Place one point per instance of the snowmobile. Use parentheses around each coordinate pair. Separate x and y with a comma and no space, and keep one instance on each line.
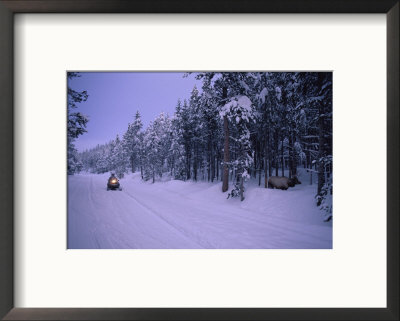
(113,184)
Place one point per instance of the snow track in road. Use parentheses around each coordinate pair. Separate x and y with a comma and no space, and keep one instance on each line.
(179,214)
(170,223)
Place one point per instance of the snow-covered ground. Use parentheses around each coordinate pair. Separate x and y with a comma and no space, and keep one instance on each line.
(176,215)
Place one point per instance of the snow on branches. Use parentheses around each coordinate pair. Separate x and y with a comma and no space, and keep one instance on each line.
(76,124)
(238,109)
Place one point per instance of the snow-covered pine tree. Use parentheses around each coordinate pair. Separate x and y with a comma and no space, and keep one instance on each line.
(131,142)
(211,130)
(119,159)
(226,85)
(186,136)
(239,111)
(150,146)
(265,100)
(76,124)
(75,165)
(157,145)
(323,100)
(176,157)
(290,106)
(194,122)
(101,164)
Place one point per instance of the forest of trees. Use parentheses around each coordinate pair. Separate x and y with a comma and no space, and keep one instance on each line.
(240,125)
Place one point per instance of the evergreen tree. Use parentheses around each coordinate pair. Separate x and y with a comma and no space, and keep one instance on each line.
(157,143)
(239,111)
(132,141)
(119,161)
(176,160)
(227,85)
(211,130)
(76,124)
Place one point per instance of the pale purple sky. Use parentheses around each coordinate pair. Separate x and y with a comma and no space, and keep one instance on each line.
(114,98)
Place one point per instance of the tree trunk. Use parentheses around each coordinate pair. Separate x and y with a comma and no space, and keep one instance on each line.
(209,168)
(225,181)
(259,163)
(294,159)
(212,161)
(321,142)
(290,155)
(276,153)
(172,166)
(217,165)
(132,165)
(266,167)
(209,157)
(241,188)
(269,165)
(195,163)
(187,163)
(283,159)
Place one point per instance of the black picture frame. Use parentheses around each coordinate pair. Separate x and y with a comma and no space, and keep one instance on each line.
(7,11)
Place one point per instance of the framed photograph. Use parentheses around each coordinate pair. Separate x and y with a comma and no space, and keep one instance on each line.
(187,160)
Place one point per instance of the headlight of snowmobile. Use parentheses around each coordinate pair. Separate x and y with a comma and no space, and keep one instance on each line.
(113,181)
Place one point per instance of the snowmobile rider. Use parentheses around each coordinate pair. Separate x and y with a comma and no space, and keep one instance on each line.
(113,183)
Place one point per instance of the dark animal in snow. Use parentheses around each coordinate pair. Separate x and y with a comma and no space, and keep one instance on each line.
(281,182)
(295,180)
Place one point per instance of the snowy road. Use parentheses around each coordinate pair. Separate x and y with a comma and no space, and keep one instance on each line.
(177,214)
